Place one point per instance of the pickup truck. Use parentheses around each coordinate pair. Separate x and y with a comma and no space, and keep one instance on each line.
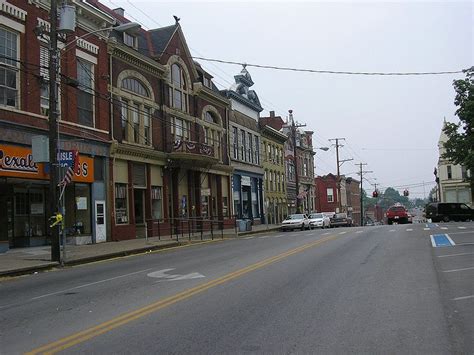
(397,214)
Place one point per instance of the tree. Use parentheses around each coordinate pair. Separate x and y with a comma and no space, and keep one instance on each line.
(460,144)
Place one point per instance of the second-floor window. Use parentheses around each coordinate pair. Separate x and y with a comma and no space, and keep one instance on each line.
(235,143)
(450,173)
(8,68)
(136,115)
(85,93)
(330,194)
(256,151)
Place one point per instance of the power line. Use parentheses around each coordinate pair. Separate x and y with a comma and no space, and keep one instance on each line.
(337,72)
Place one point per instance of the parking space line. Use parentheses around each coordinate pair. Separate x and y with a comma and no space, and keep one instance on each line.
(459,254)
(326,233)
(463,298)
(461,227)
(248,238)
(342,232)
(426,229)
(392,230)
(444,228)
(409,230)
(359,231)
(463,269)
(265,236)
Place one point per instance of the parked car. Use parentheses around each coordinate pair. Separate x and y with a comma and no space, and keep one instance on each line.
(449,211)
(397,214)
(295,221)
(319,220)
(341,220)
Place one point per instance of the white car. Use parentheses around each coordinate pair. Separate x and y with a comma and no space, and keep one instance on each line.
(295,221)
(319,220)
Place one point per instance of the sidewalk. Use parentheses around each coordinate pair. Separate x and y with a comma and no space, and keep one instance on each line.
(29,260)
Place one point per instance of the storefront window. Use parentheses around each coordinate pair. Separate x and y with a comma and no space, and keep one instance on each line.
(29,217)
(121,210)
(156,202)
(83,209)
(255,213)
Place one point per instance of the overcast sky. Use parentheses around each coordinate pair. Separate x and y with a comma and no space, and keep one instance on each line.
(390,123)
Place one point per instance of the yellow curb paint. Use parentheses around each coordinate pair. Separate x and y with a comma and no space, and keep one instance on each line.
(123,319)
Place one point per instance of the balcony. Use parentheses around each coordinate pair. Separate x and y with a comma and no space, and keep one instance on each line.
(193,152)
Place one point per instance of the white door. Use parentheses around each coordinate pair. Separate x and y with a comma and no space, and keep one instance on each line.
(100,232)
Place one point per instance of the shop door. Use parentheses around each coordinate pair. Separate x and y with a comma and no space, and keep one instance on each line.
(100,231)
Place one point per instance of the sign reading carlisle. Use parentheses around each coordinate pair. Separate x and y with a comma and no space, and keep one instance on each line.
(18,162)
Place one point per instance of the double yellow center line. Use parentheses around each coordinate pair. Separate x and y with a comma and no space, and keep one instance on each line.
(125,318)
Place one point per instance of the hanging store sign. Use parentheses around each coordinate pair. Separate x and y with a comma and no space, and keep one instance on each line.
(245,180)
(18,162)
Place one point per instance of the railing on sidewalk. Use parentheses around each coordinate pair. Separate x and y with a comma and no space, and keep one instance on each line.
(189,227)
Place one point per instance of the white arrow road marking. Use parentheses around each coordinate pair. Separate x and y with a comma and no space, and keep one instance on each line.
(162,274)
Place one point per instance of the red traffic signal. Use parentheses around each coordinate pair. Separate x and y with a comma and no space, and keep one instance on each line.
(375,194)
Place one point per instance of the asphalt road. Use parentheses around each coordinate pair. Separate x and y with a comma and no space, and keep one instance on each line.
(382,289)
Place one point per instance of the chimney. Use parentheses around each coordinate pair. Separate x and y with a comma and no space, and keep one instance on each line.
(272,113)
(119,11)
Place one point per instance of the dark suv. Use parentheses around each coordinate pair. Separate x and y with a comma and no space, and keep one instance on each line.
(397,213)
(449,211)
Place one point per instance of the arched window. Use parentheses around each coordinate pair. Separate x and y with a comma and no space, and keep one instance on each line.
(178,88)
(136,116)
(135,86)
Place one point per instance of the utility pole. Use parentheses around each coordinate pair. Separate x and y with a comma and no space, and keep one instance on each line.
(53,130)
(294,126)
(361,173)
(339,164)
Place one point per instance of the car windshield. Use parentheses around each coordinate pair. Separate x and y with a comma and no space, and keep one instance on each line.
(397,209)
(316,215)
(295,216)
(339,215)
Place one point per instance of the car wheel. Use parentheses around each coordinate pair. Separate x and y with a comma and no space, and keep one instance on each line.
(445,219)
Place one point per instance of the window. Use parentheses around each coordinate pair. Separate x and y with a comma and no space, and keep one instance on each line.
(249,148)
(146,125)
(177,90)
(464,173)
(180,128)
(124,120)
(242,144)
(271,180)
(44,77)
(330,194)
(85,96)
(305,167)
(8,68)
(130,40)
(136,116)
(256,151)
(235,140)
(136,123)
(269,153)
(450,173)
(207,82)
(135,86)
(121,206)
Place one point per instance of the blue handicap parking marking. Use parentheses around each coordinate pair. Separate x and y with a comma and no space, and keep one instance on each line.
(441,240)
(431,225)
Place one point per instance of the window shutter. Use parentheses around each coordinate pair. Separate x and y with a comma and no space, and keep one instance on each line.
(139,175)
(44,62)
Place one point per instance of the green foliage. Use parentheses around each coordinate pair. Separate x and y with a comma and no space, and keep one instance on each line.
(460,144)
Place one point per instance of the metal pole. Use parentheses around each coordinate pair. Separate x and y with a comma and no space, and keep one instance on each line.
(53,130)
(361,199)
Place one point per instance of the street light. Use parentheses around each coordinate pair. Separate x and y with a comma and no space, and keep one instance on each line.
(323,148)
(53,114)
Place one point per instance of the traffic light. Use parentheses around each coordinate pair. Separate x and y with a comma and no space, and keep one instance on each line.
(406,193)
(375,194)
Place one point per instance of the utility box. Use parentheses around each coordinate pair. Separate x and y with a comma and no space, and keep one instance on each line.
(40,148)
(67,19)
(248,226)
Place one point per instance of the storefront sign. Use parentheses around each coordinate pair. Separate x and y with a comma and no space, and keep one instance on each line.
(206,192)
(18,162)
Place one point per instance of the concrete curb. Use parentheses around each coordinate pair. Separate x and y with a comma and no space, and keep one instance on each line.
(28,270)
